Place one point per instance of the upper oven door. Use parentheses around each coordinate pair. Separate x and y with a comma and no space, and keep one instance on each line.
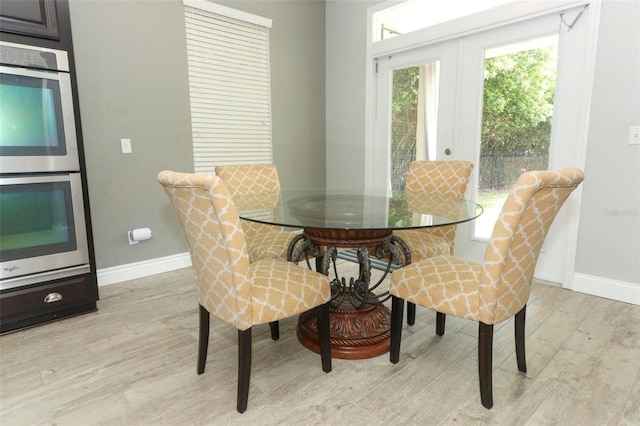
(37,125)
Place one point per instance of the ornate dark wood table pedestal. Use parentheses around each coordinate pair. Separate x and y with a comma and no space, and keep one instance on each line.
(360,324)
(355,333)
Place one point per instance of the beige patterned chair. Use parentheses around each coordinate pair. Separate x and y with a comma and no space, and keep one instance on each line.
(443,177)
(259,185)
(229,286)
(263,241)
(497,289)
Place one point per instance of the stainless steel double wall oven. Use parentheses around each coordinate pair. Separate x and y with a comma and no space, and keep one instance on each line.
(43,232)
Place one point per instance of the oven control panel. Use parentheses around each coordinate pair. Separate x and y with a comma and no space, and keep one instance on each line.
(33,57)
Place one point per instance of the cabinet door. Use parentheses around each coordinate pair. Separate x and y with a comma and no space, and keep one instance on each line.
(38,18)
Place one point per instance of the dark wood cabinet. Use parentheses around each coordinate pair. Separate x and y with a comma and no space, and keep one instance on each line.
(37,18)
(46,302)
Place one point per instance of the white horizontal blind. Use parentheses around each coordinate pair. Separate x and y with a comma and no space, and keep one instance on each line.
(228,61)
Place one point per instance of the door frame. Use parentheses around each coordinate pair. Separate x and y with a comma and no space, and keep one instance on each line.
(495,18)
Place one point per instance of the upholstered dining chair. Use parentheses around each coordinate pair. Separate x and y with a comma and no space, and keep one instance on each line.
(497,289)
(442,177)
(230,286)
(263,240)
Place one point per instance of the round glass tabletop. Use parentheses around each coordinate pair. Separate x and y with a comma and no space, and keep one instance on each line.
(355,209)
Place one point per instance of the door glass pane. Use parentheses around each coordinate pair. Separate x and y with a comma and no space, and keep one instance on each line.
(517,113)
(414,116)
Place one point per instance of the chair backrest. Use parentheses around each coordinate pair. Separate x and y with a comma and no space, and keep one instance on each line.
(252,179)
(249,179)
(443,177)
(216,244)
(514,246)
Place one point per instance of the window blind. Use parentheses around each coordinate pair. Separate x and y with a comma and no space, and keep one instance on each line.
(229,85)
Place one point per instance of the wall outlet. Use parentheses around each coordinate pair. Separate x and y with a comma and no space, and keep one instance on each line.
(125,144)
(130,238)
(634,135)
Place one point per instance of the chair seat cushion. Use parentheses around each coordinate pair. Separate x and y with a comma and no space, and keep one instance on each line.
(444,283)
(272,244)
(282,289)
(423,244)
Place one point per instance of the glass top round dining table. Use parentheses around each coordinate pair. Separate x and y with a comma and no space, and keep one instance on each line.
(355,209)
(363,220)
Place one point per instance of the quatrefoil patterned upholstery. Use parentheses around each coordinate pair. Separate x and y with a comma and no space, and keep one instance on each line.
(229,286)
(263,241)
(499,288)
(447,177)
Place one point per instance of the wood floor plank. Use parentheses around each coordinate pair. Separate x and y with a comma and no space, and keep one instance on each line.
(412,374)
(631,414)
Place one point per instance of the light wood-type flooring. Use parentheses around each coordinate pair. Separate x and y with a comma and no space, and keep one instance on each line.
(134,363)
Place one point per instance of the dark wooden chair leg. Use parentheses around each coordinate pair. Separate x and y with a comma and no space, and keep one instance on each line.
(411,313)
(440,321)
(275,330)
(203,339)
(519,332)
(322,312)
(397,308)
(244,368)
(485,363)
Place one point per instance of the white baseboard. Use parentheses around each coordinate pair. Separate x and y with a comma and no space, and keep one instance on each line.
(598,286)
(611,289)
(145,268)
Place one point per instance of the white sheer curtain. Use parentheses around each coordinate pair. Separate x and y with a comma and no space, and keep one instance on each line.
(427,126)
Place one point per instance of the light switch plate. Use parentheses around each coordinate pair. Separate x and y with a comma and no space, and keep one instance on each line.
(126,146)
(634,135)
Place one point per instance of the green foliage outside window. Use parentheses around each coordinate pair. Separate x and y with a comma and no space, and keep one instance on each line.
(517,115)
(518,101)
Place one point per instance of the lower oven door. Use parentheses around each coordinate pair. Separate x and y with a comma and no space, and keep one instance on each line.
(42,229)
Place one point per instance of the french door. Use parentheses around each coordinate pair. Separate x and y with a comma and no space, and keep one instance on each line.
(418,122)
(450,123)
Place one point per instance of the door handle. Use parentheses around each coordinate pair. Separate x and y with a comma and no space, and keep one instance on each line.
(447,151)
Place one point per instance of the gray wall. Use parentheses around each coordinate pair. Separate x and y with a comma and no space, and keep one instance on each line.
(132,82)
(346,84)
(609,246)
(132,76)
(609,241)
